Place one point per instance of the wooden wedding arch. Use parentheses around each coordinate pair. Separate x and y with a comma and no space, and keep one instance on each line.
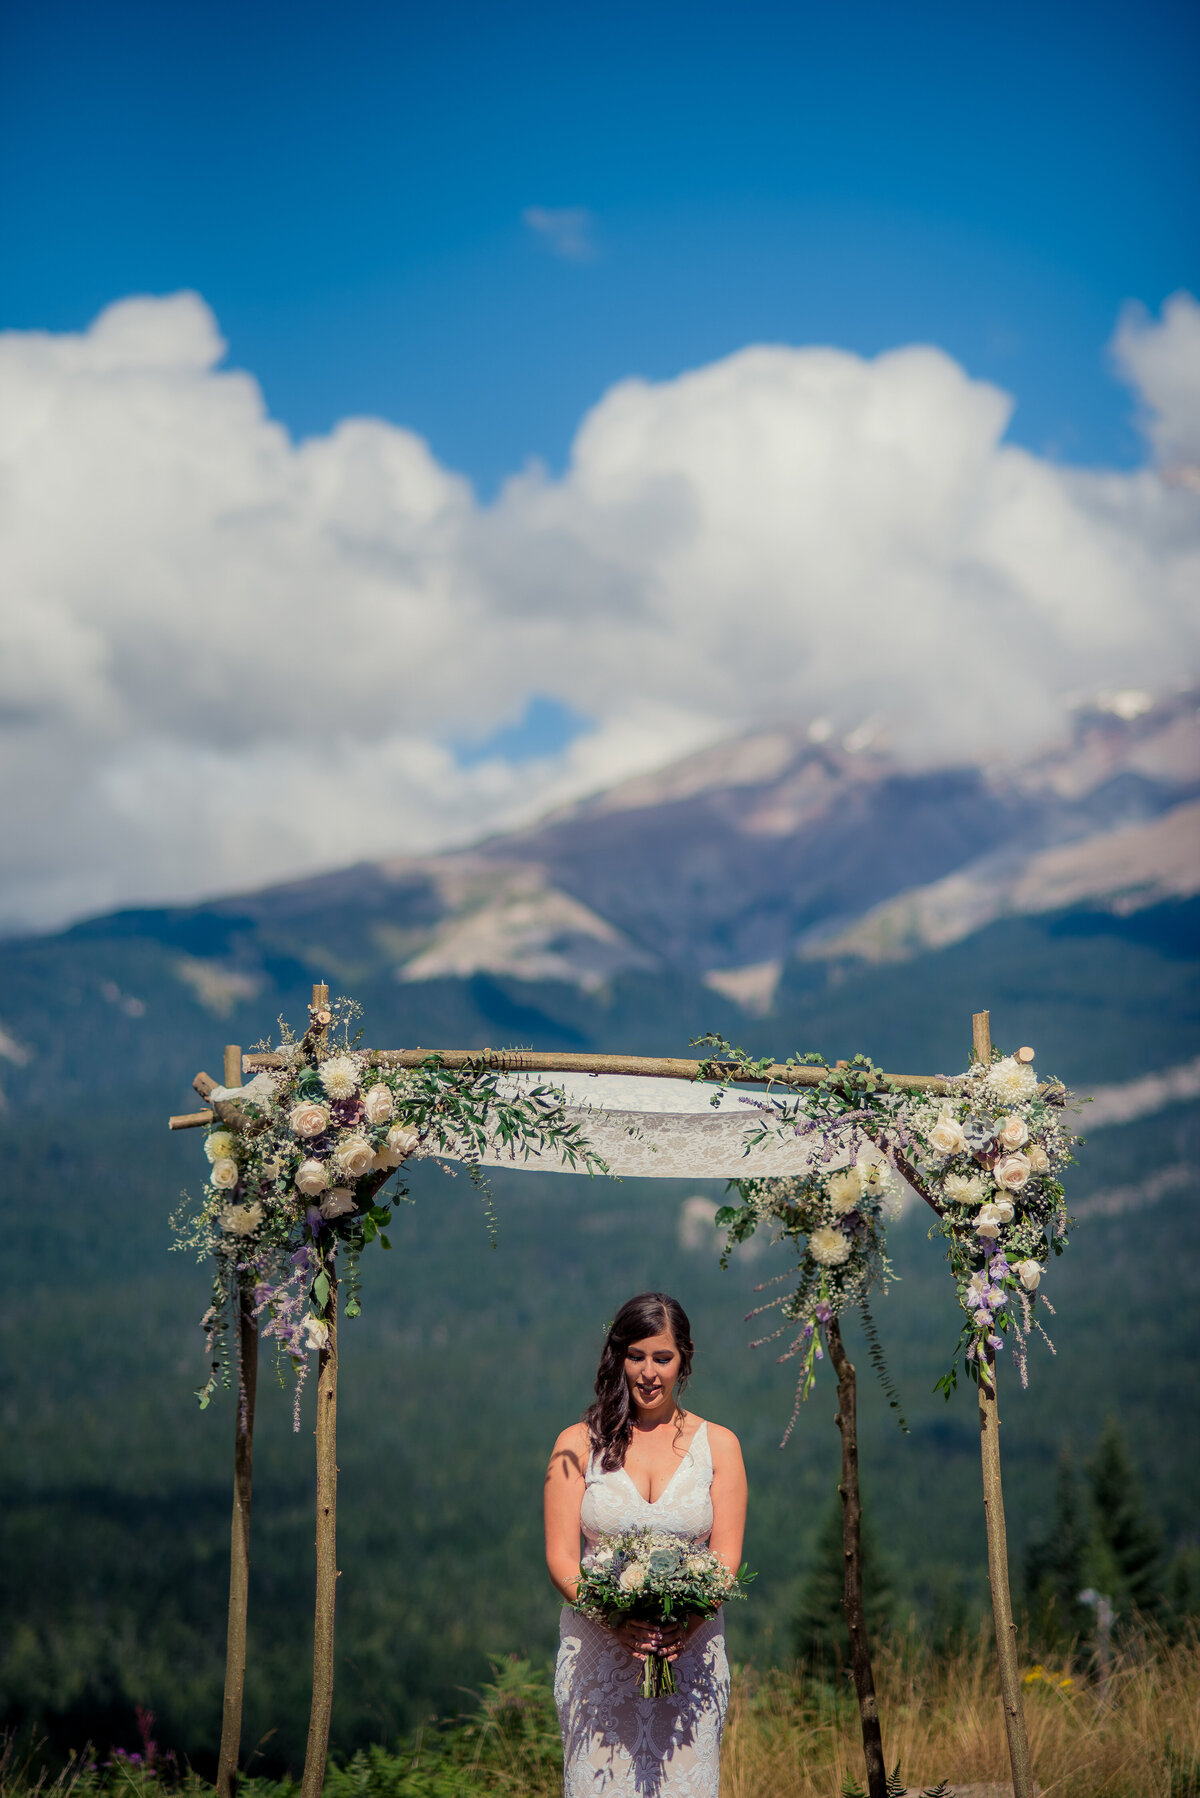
(225,1110)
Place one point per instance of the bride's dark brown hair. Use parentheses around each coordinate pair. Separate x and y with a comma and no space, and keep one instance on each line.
(610,1417)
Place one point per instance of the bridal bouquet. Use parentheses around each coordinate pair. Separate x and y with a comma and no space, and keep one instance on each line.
(651,1576)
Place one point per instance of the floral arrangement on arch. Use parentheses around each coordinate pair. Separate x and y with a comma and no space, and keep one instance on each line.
(986,1153)
(298,1159)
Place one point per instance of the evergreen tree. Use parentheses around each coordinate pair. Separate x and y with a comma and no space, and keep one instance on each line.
(1060,1565)
(1125,1527)
(820,1631)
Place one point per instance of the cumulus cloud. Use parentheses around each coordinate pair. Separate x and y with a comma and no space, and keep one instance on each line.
(1162,361)
(226,656)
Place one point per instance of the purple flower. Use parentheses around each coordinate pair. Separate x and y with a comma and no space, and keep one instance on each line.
(824,1312)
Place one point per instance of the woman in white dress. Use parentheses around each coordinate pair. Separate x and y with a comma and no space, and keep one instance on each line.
(638,1458)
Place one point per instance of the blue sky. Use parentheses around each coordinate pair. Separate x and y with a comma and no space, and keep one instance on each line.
(348,188)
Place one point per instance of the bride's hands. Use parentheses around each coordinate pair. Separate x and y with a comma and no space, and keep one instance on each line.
(674,1637)
(637,1638)
(667,1639)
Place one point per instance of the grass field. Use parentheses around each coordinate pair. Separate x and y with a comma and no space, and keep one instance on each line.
(786,1736)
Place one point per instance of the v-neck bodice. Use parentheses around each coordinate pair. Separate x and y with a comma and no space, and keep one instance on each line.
(612,1502)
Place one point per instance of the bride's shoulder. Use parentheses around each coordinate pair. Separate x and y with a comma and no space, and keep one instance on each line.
(723,1444)
(573,1446)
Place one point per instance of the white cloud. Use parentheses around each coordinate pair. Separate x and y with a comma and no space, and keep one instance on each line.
(566,230)
(1161,359)
(225,656)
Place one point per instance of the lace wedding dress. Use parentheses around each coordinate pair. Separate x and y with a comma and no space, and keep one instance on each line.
(617,1744)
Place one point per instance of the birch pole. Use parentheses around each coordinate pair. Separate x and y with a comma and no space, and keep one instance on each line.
(321,1713)
(854,1605)
(997,1541)
(239,1540)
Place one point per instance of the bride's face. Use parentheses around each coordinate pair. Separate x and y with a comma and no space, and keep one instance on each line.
(652,1368)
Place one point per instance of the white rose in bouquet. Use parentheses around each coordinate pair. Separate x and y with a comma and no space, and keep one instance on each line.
(337,1202)
(339,1076)
(316,1333)
(225,1172)
(312,1177)
(401,1142)
(355,1156)
(1004,1209)
(220,1144)
(829,1247)
(632,1578)
(1039,1161)
(1029,1273)
(1012,1171)
(241,1220)
(307,1119)
(379,1104)
(947,1136)
(988,1221)
(845,1190)
(1012,1133)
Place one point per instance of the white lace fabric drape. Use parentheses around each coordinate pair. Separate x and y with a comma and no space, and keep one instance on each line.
(617,1744)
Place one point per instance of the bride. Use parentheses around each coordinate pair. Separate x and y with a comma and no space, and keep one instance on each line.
(638,1458)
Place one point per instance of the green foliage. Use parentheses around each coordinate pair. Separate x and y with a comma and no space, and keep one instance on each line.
(819,1628)
(1059,1565)
(1125,1527)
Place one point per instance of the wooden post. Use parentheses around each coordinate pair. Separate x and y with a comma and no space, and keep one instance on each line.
(997,1540)
(239,1539)
(856,1622)
(321,1712)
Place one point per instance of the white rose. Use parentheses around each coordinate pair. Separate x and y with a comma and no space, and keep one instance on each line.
(241,1220)
(1029,1273)
(1005,1209)
(339,1076)
(632,1578)
(402,1141)
(316,1332)
(1039,1161)
(829,1247)
(337,1202)
(307,1119)
(355,1156)
(312,1177)
(1012,1171)
(379,1104)
(1011,1133)
(219,1144)
(225,1172)
(947,1136)
(988,1222)
(1011,1083)
(964,1189)
(845,1190)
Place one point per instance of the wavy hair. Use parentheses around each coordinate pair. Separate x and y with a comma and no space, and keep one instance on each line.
(610,1416)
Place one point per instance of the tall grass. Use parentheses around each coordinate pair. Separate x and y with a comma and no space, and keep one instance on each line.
(787,1736)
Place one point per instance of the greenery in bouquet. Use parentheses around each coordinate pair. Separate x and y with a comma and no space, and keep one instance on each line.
(298,1160)
(653,1576)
